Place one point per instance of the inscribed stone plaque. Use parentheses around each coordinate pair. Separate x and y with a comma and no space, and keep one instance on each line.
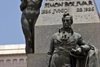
(84,12)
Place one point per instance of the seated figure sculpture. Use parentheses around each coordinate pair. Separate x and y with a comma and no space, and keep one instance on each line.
(68,49)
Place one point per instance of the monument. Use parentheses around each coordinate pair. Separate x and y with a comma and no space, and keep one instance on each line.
(85,18)
(68,48)
(30,11)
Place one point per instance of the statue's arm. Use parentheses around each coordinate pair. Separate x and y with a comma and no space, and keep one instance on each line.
(23,5)
(39,4)
(84,48)
(51,49)
(80,41)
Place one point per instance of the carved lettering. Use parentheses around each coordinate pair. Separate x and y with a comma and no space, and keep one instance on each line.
(59,11)
(73,3)
(90,3)
(87,9)
(45,11)
(78,3)
(48,5)
(79,10)
(84,3)
(69,4)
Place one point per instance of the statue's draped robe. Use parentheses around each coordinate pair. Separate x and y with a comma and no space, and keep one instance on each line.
(91,60)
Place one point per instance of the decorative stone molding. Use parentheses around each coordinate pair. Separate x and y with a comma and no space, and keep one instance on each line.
(13,59)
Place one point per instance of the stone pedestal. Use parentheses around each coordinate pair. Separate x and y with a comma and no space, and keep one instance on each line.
(85,18)
(85,21)
(89,31)
(37,60)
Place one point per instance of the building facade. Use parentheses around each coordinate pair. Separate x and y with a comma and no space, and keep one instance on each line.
(13,56)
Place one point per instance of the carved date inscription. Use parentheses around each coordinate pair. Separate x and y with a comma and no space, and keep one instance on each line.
(60,6)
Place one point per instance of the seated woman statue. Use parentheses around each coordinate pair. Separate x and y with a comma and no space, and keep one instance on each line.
(67,48)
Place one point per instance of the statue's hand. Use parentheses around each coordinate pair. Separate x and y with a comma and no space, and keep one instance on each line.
(78,51)
(73,51)
(85,47)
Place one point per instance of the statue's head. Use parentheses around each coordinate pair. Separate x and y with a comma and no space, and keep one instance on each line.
(67,20)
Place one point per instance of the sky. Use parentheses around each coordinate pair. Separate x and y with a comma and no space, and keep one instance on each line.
(10,24)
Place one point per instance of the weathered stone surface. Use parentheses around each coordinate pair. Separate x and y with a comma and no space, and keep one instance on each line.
(36,60)
(89,31)
(39,60)
(86,22)
(83,11)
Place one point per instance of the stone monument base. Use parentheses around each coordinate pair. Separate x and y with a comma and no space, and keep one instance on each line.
(39,60)
(36,60)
